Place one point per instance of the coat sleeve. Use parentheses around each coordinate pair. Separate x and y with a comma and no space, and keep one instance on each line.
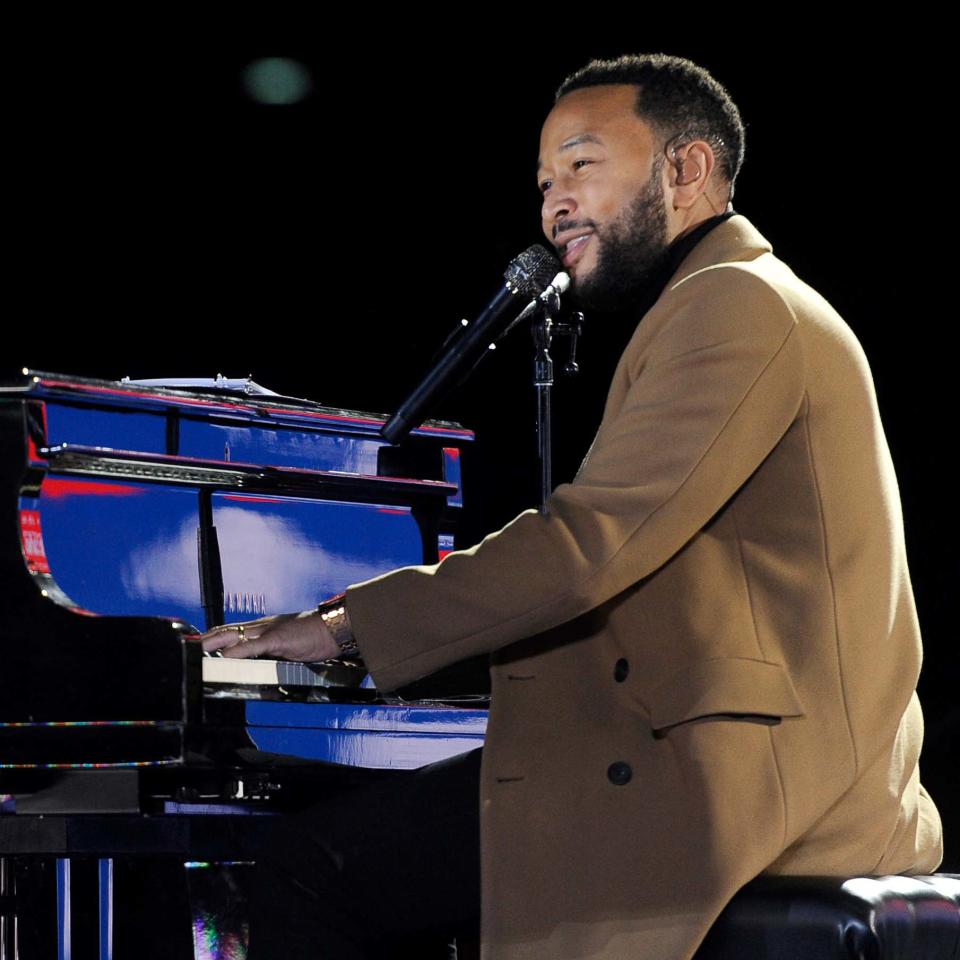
(708,399)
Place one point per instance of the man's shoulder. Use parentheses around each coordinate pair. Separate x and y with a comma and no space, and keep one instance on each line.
(737,288)
(736,260)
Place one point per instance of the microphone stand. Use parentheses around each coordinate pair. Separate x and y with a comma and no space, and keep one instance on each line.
(543,329)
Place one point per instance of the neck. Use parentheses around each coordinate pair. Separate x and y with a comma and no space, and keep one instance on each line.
(700,217)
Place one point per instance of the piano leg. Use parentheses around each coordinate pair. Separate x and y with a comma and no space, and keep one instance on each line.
(106,908)
(28,908)
(102,931)
(47,907)
(8,910)
(64,909)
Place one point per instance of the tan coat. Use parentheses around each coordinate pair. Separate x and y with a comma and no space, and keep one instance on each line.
(721,642)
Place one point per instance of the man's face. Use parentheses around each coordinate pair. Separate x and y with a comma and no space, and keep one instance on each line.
(603,202)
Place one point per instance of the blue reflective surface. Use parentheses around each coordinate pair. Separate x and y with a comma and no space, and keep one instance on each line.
(367,735)
(120,430)
(121,547)
(288,553)
(452,473)
(277,446)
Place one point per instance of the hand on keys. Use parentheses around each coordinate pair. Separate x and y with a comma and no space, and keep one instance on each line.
(288,636)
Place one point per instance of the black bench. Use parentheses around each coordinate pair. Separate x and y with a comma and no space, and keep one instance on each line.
(837,918)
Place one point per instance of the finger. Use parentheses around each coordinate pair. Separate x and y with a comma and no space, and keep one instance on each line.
(217,640)
(252,628)
(227,631)
(251,648)
(231,635)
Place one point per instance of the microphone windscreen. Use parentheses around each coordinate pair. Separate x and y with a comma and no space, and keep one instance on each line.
(530,273)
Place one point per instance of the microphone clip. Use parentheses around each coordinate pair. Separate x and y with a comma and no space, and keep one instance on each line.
(547,325)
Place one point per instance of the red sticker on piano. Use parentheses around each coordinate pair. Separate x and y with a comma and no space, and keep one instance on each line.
(31,537)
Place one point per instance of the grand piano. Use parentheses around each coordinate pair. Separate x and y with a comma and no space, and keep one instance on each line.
(137,514)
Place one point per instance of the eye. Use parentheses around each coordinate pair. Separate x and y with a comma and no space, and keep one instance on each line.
(578,164)
(544,185)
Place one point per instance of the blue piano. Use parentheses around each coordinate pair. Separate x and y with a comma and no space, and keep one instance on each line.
(140,513)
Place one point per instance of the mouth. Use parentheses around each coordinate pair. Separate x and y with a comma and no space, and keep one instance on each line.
(572,250)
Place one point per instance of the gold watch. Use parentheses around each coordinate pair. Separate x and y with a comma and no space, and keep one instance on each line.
(333,613)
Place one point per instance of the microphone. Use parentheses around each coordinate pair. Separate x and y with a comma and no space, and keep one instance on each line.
(527,277)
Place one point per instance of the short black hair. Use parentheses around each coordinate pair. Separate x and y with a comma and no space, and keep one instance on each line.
(677,98)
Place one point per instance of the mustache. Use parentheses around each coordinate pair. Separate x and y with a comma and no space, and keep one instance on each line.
(572,225)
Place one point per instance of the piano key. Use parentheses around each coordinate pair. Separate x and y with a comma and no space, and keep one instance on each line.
(259,672)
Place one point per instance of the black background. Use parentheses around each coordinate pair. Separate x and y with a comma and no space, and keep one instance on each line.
(173,227)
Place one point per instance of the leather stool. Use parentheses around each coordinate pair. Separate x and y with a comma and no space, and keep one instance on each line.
(839,918)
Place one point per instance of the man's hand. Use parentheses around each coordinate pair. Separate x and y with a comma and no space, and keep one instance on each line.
(290,636)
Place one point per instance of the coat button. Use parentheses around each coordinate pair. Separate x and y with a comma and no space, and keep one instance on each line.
(620,670)
(619,773)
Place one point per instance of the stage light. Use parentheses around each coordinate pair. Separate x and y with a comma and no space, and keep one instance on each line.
(277,81)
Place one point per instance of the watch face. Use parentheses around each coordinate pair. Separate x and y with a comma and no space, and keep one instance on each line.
(334,617)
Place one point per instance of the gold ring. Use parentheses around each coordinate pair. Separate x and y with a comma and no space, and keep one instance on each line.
(240,633)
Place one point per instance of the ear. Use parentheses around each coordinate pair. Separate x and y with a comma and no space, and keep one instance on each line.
(690,168)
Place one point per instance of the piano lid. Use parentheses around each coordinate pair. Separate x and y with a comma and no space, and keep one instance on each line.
(209,398)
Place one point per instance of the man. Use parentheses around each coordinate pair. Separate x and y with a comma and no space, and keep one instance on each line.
(704,657)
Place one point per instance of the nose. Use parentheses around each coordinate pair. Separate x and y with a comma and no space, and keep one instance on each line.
(558,204)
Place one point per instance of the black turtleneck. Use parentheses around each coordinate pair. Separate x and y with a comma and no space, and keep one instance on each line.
(676,254)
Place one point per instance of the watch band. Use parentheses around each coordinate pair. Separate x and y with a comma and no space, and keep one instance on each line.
(333,613)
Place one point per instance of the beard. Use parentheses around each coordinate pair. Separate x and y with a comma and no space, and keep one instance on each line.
(631,249)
